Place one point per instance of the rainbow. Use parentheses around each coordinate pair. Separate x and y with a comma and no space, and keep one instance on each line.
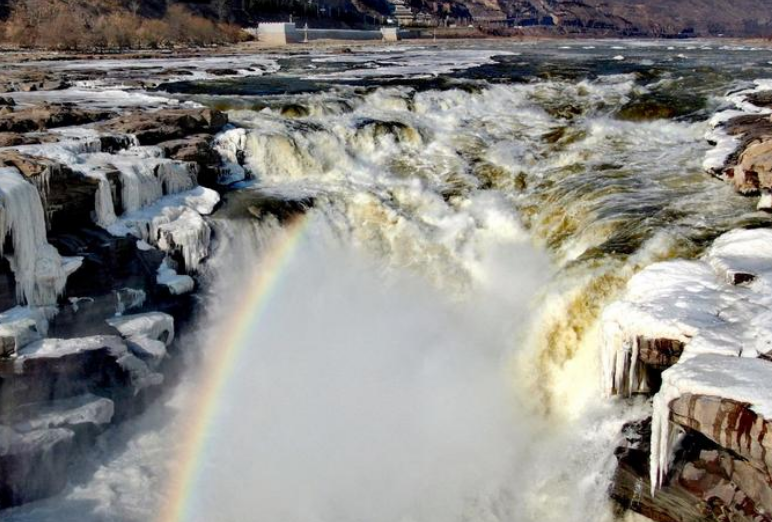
(235,339)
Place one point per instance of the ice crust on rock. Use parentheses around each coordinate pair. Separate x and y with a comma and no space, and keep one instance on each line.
(148,334)
(174,223)
(47,348)
(176,283)
(67,413)
(141,375)
(21,326)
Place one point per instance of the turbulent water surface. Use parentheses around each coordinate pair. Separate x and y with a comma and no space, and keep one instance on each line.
(429,350)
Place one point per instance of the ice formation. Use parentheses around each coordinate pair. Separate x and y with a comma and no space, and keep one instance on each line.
(20,326)
(84,409)
(161,200)
(40,272)
(176,283)
(148,334)
(719,308)
(128,299)
(174,223)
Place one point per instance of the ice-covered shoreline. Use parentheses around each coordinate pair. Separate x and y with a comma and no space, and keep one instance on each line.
(695,335)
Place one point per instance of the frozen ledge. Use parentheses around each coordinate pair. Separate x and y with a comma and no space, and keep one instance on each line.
(717,312)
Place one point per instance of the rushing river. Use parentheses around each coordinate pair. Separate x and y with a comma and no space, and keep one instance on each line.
(427,349)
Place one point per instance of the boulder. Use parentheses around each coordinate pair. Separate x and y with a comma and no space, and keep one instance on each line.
(42,117)
(760,99)
(33,465)
(196,149)
(152,128)
(54,369)
(754,170)
(14,139)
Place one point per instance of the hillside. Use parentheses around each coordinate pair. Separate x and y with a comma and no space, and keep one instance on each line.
(654,18)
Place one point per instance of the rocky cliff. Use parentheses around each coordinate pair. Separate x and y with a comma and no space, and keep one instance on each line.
(657,18)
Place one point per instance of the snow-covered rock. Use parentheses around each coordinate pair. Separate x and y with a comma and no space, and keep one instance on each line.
(717,305)
(67,367)
(71,413)
(148,334)
(20,326)
(720,309)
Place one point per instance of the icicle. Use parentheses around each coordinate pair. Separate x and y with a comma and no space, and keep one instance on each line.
(189,233)
(39,270)
(128,299)
(104,207)
(664,436)
(141,187)
(177,176)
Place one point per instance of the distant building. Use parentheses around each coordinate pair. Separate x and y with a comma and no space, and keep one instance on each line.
(401,12)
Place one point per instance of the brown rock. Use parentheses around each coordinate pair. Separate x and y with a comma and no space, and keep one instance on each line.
(705,483)
(13,139)
(755,165)
(730,424)
(48,116)
(152,128)
(659,353)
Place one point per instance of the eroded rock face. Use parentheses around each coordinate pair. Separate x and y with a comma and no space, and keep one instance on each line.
(706,482)
(168,124)
(730,424)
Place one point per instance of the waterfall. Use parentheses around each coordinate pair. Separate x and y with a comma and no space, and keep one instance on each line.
(432,351)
